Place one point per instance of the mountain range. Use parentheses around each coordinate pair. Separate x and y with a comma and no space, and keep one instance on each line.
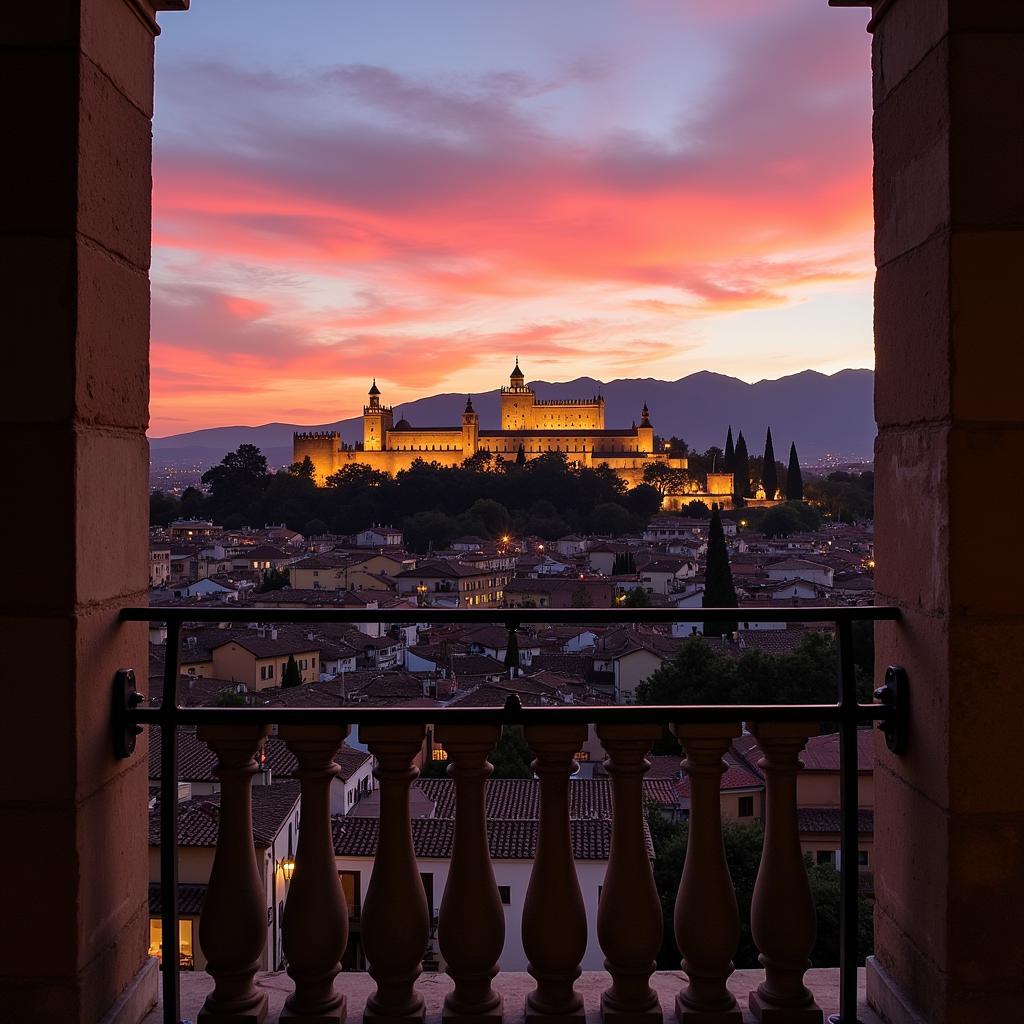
(825,414)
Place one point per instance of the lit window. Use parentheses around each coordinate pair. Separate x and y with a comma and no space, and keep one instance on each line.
(439,754)
(185,952)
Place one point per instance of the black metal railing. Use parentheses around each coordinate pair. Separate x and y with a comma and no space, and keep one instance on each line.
(130,715)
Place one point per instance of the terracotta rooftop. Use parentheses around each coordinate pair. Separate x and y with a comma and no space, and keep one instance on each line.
(198,819)
(827,819)
(507,840)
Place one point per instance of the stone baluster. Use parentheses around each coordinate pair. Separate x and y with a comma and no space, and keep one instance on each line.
(471,923)
(782,917)
(233,924)
(395,917)
(554,916)
(315,914)
(629,924)
(706,920)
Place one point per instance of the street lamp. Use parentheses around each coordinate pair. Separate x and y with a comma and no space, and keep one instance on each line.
(421,593)
(288,866)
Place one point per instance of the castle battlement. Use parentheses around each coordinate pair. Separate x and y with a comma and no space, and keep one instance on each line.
(367,409)
(596,400)
(318,435)
(516,391)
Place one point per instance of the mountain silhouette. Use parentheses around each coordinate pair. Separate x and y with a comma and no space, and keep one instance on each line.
(823,413)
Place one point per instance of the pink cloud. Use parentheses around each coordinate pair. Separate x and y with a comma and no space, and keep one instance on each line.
(430,200)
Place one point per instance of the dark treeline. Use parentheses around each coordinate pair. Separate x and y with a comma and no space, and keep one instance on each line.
(432,504)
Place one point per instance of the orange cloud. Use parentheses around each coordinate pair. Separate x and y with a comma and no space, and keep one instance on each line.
(430,229)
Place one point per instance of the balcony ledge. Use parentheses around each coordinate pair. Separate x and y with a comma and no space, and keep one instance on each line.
(513,987)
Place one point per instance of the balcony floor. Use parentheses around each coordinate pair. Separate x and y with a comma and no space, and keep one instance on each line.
(823,982)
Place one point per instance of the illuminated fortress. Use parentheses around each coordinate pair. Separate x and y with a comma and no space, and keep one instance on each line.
(573,426)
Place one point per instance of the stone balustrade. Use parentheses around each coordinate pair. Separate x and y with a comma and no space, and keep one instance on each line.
(395,919)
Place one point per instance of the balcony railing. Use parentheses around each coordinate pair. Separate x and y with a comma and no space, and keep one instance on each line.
(395,918)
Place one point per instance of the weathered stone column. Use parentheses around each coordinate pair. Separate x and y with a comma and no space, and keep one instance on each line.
(471,922)
(395,918)
(707,919)
(233,925)
(315,915)
(629,925)
(783,922)
(949,319)
(554,917)
(77,81)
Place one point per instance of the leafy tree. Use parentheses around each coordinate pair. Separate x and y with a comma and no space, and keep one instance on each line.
(229,699)
(428,530)
(239,478)
(512,757)
(769,474)
(643,501)
(547,496)
(741,471)
(845,497)
(780,521)
(729,458)
(698,674)
(273,579)
(314,528)
(610,518)
(696,510)
(479,462)
(291,675)
(637,598)
(356,475)
(193,503)
(494,516)
(743,846)
(719,591)
(235,521)
(660,476)
(677,447)
(624,564)
(163,508)
(304,469)
(794,478)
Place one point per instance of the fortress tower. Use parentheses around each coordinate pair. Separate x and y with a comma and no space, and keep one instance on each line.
(516,401)
(645,432)
(377,420)
(470,429)
(522,410)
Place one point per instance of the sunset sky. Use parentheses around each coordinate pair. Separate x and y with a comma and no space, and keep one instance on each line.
(422,189)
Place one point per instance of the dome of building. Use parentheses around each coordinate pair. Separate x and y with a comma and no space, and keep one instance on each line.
(402,424)
(517,373)
(374,390)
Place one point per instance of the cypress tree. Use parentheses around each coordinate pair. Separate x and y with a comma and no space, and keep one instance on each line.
(521,456)
(729,460)
(794,478)
(741,470)
(291,676)
(512,652)
(719,591)
(624,564)
(769,472)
